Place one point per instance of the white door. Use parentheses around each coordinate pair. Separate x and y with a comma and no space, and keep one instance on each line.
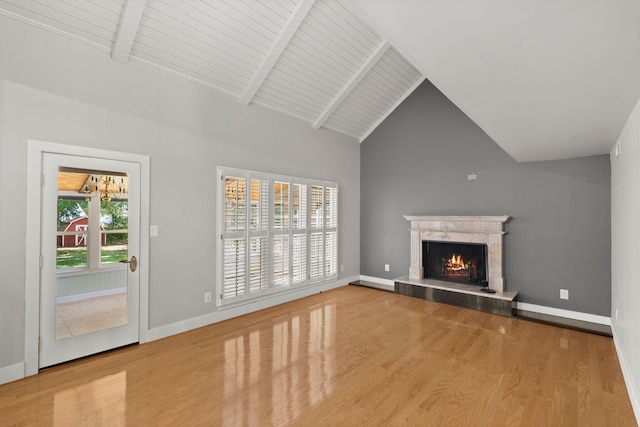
(89,283)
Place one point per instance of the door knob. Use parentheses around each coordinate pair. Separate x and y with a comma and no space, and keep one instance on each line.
(133,263)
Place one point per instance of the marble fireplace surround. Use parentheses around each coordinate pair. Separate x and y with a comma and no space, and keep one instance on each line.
(460,229)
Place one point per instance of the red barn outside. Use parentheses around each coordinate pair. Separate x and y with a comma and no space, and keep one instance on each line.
(74,241)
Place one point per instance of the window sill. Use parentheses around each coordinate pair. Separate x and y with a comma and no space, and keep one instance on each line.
(273,294)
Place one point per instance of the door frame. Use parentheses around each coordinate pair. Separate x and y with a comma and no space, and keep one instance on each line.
(35,150)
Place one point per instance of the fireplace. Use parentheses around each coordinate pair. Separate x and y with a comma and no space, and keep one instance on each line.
(453,259)
(479,233)
(455,262)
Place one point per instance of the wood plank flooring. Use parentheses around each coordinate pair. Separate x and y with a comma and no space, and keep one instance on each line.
(351,356)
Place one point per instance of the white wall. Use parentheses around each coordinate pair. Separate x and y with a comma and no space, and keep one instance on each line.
(625,253)
(58,90)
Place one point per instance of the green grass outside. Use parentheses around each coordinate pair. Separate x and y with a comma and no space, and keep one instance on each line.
(77,257)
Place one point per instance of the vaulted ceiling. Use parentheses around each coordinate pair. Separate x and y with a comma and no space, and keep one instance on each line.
(544,79)
(314,60)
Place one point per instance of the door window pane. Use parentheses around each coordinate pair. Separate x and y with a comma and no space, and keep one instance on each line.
(92,230)
(90,302)
(72,239)
(113,248)
(114,224)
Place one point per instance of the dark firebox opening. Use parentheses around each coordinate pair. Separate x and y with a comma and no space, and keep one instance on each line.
(455,262)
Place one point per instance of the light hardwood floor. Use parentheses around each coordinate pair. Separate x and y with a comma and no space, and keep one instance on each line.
(351,356)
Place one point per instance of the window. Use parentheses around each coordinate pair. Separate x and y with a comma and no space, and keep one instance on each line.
(291,239)
(92,232)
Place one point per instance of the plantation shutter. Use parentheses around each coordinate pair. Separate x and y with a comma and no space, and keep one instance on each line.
(331,232)
(299,234)
(259,234)
(234,266)
(234,237)
(275,232)
(316,246)
(281,230)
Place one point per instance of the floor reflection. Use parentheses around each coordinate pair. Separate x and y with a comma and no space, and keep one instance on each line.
(298,363)
(99,402)
(349,356)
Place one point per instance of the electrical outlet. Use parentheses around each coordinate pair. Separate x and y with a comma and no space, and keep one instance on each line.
(386,267)
(616,314)
(564,294)
(207,297)
(341,268)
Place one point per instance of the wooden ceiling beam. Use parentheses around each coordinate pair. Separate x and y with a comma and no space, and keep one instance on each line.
(127,30)
(366,66)
(289,29)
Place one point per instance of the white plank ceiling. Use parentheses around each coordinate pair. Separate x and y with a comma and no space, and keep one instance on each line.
(314,60)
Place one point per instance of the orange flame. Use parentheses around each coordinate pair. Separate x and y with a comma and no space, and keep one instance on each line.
(456,263)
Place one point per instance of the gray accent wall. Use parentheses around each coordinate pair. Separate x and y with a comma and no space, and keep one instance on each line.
(418,161)
(57,90)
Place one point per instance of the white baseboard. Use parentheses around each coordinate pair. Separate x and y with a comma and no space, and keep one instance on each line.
(70,298)
(575,315)
(228,313)
(12,373)
(632,389)
(377,282)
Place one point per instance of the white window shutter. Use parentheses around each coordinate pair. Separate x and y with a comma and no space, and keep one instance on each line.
(258,265)
(275,232)
(234,268)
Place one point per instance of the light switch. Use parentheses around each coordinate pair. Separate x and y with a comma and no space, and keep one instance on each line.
(153,231)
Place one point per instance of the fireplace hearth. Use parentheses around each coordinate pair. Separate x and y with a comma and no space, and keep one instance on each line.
(455,259)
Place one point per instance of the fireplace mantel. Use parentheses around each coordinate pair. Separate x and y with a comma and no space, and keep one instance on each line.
(463,229)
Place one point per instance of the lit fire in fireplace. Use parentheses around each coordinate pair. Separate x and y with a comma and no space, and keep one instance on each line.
(456,263)
(456,267)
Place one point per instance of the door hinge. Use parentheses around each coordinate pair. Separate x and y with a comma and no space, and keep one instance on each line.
(221,238)
(221,177)
(39,343)
(221,296)
(41,261)
(41,180)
